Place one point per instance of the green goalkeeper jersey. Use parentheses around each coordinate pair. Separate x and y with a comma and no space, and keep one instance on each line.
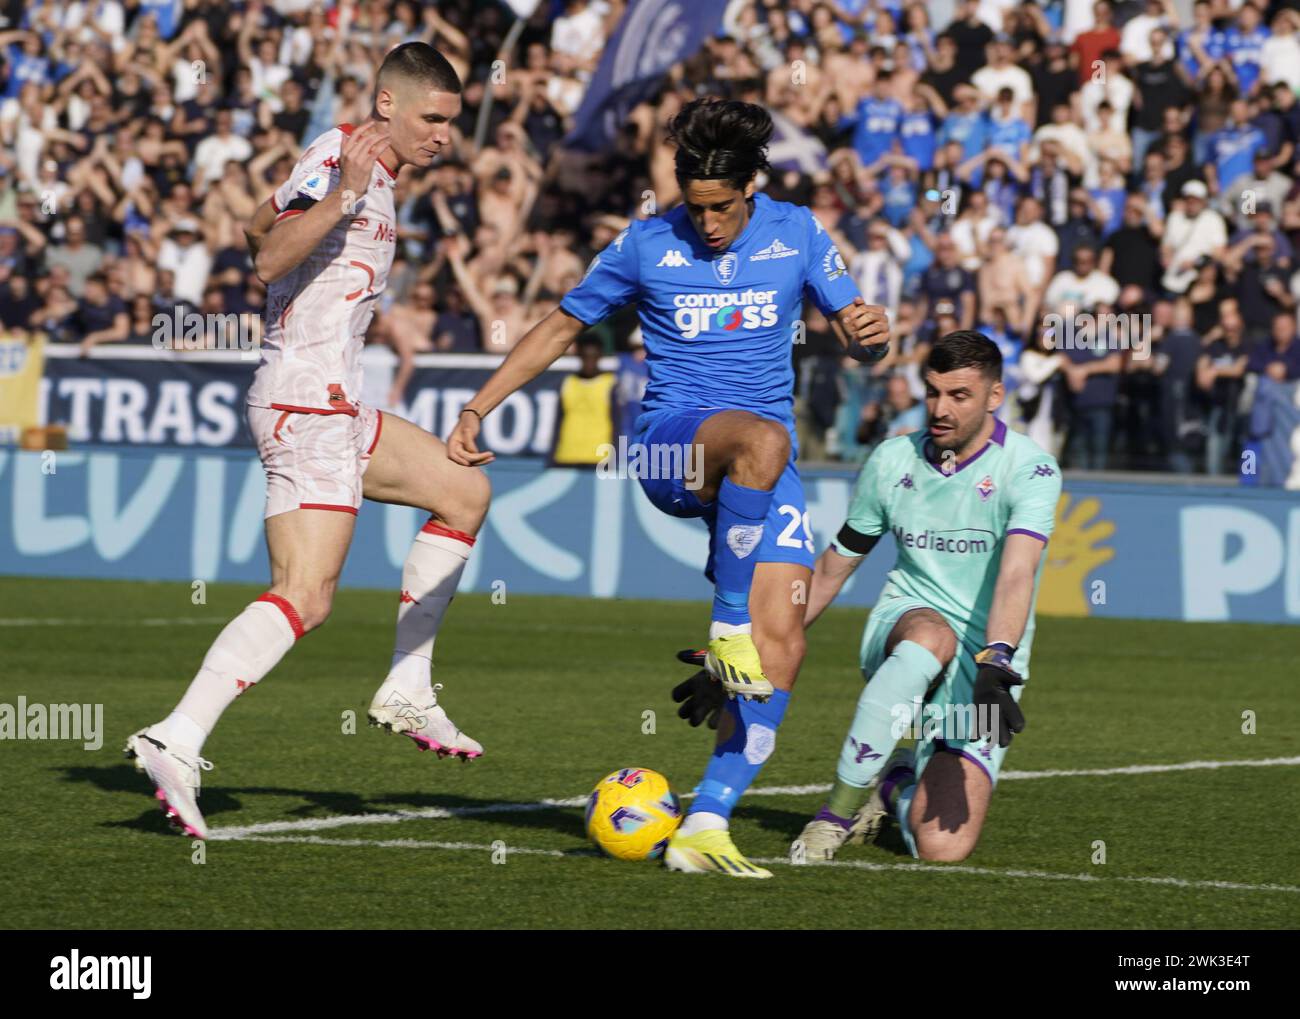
(950,526)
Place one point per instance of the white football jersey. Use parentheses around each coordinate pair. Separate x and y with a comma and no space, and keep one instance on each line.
(316,316)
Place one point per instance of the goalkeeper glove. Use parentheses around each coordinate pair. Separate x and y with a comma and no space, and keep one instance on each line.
(701,697)
(996,712)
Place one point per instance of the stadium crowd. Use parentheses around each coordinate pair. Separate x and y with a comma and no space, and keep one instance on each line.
(1021,168)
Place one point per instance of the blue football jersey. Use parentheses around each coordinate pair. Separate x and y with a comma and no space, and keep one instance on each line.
(718,326)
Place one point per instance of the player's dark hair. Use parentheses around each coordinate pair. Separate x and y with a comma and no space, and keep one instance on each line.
(420,63)
(720,139)
(965,348)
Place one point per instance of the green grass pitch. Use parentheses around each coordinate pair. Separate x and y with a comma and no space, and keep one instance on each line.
(557,690)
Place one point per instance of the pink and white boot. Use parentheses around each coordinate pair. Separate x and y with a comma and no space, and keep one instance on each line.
(423,720)
(175,774)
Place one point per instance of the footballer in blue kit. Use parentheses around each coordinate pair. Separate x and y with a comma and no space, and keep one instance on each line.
(719,283)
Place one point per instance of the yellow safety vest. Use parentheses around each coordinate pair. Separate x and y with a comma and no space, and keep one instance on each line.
(585,419)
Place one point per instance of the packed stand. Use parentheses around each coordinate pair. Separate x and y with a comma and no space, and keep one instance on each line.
(1052,175)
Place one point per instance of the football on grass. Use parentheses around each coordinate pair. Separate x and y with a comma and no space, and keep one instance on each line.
(631,813)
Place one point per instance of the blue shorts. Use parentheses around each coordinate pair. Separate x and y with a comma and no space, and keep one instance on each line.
(787,532)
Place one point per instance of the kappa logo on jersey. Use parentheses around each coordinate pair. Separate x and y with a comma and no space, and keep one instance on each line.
(904,482)
(833,264)
(591,268)
(331,163)
(749,309)
(673,259)
(1043,471)
(726,267)
(742,539)
(774,250)
(985,488)
(618,241)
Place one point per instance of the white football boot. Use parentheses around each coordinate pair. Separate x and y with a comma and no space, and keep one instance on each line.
(869,821)
(872,816)
(821,838)
(818,842)
(426,723)
(175,774)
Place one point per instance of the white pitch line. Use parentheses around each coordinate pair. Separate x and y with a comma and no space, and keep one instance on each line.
(393,817)
(1155,769)
(173,621)
(1040,875)
(316,840)
(926,868)
(445,813)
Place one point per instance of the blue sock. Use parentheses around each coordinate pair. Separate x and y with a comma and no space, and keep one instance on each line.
(736,763)
(737,532)
(903,814)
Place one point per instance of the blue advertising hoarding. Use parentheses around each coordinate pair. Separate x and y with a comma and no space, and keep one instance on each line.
(1190,552)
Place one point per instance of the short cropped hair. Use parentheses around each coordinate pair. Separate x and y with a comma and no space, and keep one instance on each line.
(420,64)
(965,348)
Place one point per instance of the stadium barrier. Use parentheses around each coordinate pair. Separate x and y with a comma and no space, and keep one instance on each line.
(1154,551)
(130,396)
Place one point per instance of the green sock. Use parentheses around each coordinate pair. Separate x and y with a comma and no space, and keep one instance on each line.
(846,800)
(886,713)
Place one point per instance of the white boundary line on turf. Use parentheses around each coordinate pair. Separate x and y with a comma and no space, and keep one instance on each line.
(444,813)
(927,868)
(172,621)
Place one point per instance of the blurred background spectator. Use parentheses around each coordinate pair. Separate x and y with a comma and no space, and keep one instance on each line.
(981,163)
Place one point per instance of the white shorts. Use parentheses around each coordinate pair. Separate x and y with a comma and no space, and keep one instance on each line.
(314,461)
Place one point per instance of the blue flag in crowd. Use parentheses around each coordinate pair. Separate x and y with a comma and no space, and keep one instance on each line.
(1275,426)
(651,37)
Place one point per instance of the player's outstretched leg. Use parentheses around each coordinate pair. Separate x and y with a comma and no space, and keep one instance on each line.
(307,548)
(919,647)
(410,467)
(749,453)
(746,732)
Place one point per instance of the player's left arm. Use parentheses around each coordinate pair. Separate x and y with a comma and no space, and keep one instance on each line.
(862,328)
(1014,591)
(259,226)
(1036,488)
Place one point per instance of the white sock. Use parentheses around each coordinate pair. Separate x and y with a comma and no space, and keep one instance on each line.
(246,650)
(703,821)
(718,629)
(430,577)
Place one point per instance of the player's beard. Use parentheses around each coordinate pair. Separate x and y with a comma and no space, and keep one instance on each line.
(958,438)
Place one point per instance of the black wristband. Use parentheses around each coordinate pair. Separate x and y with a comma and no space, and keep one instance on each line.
(472,411)
(868,355)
